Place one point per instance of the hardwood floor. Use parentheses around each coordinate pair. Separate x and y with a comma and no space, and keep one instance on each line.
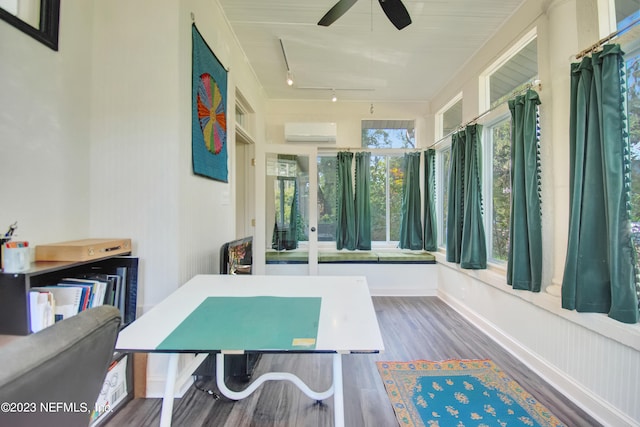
(412,328)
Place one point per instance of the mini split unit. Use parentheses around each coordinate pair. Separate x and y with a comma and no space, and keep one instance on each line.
(310,132)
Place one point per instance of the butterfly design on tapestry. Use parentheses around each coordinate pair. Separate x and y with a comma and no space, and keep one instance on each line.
(211,114)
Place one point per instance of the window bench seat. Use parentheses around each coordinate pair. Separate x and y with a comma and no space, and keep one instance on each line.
(351,257)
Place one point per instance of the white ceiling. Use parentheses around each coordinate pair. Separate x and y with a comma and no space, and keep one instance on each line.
(362,55)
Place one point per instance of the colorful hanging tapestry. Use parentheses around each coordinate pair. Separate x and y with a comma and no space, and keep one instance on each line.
(460,393)
(208,112)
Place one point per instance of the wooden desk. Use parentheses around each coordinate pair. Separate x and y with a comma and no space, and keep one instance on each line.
(190,319)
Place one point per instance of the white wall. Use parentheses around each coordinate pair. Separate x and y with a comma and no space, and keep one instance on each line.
(95,139)
(45,107)
(142,129)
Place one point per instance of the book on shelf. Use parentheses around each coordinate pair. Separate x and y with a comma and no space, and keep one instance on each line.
(41,309)
(67,300)
(71,295)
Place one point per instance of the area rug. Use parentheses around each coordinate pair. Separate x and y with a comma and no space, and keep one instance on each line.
(457,393)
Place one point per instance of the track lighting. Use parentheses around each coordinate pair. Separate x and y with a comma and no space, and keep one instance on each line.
(286,63)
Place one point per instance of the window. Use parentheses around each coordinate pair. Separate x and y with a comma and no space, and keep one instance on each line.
(516,68)
(388,134)
(498,145)
(442,170)
(627,11)
(386,197)
(508,76)
(327,177)
(448,119)
(387,174)
(451,118)
(632,57)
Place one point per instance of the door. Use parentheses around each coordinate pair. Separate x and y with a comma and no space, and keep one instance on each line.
(286,191)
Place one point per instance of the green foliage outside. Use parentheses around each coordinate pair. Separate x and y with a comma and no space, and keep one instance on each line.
(633,107)
(501,190)
(387,176)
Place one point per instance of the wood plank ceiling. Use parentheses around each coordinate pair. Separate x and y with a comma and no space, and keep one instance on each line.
(362,56)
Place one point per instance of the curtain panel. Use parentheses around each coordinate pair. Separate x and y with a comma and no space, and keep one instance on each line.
(600,269)
(524,265)
(473,248)
(430,224)
(362,201)
(410,221)
(466,241)
(345,213)
(455,198)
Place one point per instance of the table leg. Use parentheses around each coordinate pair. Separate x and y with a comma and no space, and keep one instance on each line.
(169,391)
(338,395)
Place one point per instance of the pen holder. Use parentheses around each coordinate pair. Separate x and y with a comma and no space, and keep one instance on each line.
(16,259)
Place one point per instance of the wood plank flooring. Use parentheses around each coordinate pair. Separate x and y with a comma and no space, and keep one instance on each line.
(412,328)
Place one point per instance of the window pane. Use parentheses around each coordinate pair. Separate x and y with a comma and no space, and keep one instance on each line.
(633,105)
(327,176)
(452,118)
(378,197)
(518,71)
(501,189)
(388,134)
(627,11)
(445,158)
(386,197)
(396,177)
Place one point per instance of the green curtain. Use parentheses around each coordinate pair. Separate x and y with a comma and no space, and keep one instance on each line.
(455,198)
(345,213)
(362,201)
(600,266)
(292,232)
(524,265)
(410,221)
(473,247)
(430,224)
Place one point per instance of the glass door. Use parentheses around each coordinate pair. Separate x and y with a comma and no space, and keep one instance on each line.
(286,230)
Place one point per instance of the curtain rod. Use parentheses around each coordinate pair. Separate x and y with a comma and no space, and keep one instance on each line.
(594,47)
(535,84)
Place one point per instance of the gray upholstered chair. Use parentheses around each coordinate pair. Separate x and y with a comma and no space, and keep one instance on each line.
(53,377)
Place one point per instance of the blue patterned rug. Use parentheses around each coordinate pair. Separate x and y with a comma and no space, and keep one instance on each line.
(457,393)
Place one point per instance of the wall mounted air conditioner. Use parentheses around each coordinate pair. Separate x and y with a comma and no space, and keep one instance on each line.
(310,132)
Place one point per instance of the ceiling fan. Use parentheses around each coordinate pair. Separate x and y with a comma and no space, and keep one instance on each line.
(394,9)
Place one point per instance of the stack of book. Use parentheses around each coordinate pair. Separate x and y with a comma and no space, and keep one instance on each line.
(70,296)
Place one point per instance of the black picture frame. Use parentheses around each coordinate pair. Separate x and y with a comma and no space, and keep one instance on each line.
(49,29)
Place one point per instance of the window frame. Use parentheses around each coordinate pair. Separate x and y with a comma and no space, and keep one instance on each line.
(484,80)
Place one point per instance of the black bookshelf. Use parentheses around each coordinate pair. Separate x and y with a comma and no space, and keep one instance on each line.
(14,287)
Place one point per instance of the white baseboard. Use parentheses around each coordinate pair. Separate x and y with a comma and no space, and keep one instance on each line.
(184,380)
(585,399)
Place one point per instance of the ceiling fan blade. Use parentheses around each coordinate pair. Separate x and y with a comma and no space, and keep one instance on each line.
(336,12)
(396,12)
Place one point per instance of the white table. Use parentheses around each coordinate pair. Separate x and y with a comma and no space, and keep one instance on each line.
(346,324)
